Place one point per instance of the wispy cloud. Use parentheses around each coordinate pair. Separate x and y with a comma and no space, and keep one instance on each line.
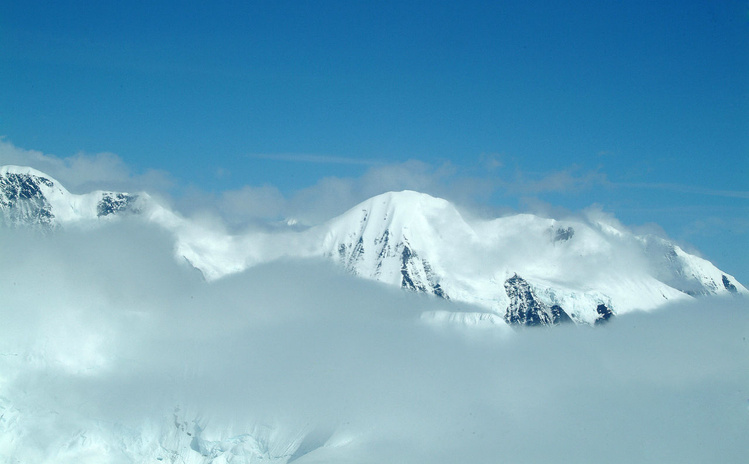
(570,180)
(681,188)
(575,179)
(314,158)
(333,195)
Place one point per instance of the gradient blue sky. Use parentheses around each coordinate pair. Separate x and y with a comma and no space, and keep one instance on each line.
(641,107)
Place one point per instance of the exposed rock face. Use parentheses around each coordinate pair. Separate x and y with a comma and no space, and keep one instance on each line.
(604,314)
(526,309)
(563,234)
(417,274)
(112,203)
(30,199)
(560,316)
(728,285)
(22,202)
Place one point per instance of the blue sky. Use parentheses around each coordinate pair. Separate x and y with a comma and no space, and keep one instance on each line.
(641,107)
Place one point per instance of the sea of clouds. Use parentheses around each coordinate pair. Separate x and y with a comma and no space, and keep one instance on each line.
(111,350)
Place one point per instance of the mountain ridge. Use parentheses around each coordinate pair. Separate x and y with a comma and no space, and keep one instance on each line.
(527,269)
(31,197)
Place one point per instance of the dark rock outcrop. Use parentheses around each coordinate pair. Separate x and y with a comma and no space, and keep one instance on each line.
(604,314)
(526,309)
(112,203)
(22,202)
(728,285)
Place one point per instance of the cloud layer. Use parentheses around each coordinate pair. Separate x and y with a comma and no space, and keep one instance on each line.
(111,351)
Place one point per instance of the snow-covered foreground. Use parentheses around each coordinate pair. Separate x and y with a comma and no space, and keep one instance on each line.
(112,352)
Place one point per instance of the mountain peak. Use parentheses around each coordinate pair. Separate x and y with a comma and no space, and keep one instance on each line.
(396,237)
(416,214)
(405,205)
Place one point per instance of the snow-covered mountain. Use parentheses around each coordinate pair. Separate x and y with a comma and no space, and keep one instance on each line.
(529,269)
(526,269)
(31,198)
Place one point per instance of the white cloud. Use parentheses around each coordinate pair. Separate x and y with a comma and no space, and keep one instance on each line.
(596,215)
(82,172)
(491,161)
(297,349)
(333,195)
(712,226)
(487,188)
(680,188)
(329,196)
(325,199)
(570,180)
(248,203)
